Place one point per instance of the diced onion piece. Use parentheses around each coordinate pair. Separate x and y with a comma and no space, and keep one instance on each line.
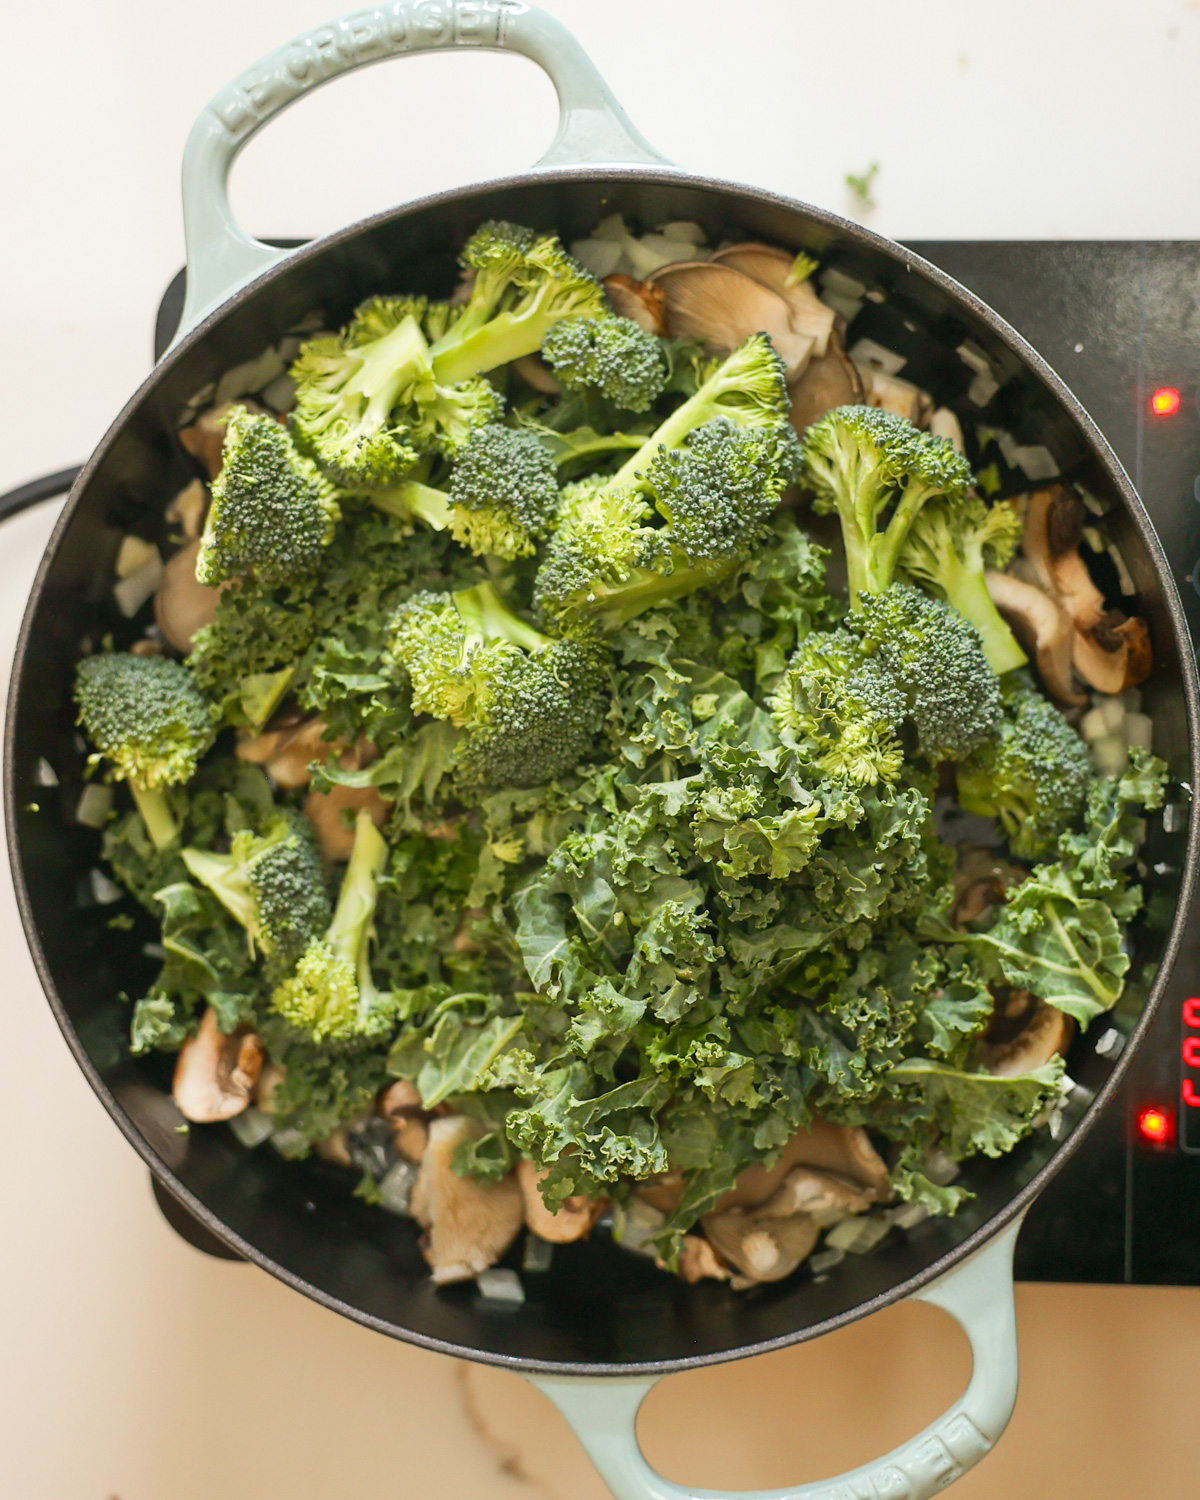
(95,805)
(133,554)
(1139,731)
(1110,755)
(132,592)
(500,1285)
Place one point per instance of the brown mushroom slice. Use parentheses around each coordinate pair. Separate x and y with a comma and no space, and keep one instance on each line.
(410,1138)
(572,1221)
(698,1261)
(1046,1035)
(761,1247)
(1054,522)
(205,438)
(324,810)
(824,1196)
(843,1149)
(641,302)
(827,382)
(215,1074)
(398,1101)
(662,1192)
(1115,655)
(722,308)
(771,267)
(534,371)
(182,605)
(188,508)
(1043,628)
(976,901)
(288,751)
(469,1224)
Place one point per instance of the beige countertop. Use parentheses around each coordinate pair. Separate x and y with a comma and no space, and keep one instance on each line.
(133,1367)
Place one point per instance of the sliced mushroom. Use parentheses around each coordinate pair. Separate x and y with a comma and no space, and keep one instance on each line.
(269,1080)
(698,1261)
(843,1149)
(662,1192)
(335,1148)
(411,1138)
(215,1074)
(181,605)
(1046,1035)
(188,508)
(977,901)
(1115,655)
(571,1221)
(722,308)
(760,1246)
(324,811)
(398,1101)
(641,302)
(289,750)
(1054,521)
(826,1197)
(534,371)
(771,267)
(830,381)
(469,1224)
(205,438)
(1042,626)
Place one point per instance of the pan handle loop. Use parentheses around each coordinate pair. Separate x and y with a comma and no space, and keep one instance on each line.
(593,129)
(978,1294)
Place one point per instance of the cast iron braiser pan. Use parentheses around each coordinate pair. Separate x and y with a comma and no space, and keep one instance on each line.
(598,1310)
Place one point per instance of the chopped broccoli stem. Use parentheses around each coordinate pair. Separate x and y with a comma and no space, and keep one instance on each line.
(414,499)
(156,814)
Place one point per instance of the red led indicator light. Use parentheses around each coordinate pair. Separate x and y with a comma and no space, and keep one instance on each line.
(1154,1125)
(1165,401)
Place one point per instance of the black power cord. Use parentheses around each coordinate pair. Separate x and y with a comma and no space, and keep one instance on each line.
(37,490)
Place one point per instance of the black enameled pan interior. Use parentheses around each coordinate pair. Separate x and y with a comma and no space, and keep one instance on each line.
(598,1309)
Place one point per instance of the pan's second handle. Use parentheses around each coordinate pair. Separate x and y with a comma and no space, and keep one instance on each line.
(593,128)
(978,1294)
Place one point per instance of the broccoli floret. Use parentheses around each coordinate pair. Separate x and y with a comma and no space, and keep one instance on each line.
(273,512)
(445,417)
(1034,778)
(503,492)
(331,993)
(719,490)
(608,561)
(145,716)
(532,705)
(861,462)
(839,716)
(347,388)
(933,657)
(902,658)
(948,550)
(273,884)
(524,284)
(622,361)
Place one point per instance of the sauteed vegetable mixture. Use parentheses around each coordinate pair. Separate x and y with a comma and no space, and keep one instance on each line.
(601,761)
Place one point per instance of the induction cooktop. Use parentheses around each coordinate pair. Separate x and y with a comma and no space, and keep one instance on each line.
(1120,322)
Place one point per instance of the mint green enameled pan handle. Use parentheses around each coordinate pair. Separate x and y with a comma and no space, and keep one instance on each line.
(593,129)
(978,1295)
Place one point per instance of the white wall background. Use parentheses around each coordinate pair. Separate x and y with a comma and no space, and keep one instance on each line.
(130,1366)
